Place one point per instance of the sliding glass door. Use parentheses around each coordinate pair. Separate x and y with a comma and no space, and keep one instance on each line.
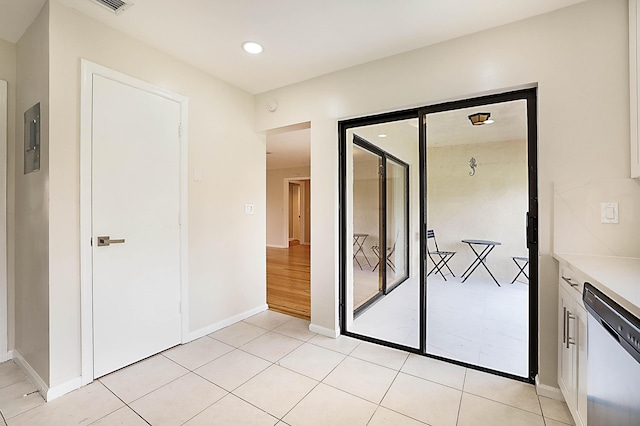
(368,282)
(439,250)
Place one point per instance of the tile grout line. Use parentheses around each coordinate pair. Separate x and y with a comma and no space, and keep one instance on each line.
(125,405)
(388,389)
(462,392)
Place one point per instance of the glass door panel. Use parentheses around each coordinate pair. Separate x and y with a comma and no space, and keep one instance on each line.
(367,225)
(382,291)
(476,201)
(397,176)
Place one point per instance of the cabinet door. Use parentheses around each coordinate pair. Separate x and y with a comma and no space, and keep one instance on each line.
(581,344)
(567,366)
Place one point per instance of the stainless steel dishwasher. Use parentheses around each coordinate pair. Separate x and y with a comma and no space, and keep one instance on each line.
(613,362)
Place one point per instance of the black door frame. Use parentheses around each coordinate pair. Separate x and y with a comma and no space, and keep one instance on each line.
(530,96)
(384,156)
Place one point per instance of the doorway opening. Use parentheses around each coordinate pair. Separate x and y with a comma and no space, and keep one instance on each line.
(289,220)
(299,212)
(470,295)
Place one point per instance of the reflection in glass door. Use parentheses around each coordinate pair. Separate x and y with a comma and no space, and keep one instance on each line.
(367,226)
(397,177)
(381,295)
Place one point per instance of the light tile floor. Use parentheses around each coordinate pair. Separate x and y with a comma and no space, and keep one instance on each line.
(270,370)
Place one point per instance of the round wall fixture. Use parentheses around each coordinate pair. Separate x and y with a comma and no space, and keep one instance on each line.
(272,105)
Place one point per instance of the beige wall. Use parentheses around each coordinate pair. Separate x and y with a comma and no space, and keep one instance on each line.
(31,206)
(577,56)
(226,247)
(276,218)
(8,74)
(491,205)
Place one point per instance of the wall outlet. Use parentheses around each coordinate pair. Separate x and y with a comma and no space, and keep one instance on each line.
(609,213)
(248,209)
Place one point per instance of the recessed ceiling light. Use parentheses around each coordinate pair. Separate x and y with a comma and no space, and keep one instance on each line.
(252,47)
(382,135)
(489,121)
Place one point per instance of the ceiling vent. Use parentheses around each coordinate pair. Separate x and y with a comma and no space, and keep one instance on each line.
(116,6)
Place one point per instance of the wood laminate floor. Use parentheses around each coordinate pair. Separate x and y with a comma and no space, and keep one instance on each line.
(288,280)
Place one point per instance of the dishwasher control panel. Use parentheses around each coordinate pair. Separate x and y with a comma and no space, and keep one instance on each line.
(620,323)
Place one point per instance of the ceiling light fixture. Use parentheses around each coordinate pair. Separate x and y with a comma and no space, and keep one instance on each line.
(480,118)
(382,135)
(252,47)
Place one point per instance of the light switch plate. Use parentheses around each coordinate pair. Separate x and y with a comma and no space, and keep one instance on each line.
(248,209)
(609,213)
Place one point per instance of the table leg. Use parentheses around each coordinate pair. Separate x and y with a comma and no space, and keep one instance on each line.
(481,260)
(476,262)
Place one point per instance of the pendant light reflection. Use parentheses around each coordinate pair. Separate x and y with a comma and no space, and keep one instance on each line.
(480,118)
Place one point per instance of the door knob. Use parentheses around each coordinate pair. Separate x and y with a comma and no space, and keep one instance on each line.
(106,241)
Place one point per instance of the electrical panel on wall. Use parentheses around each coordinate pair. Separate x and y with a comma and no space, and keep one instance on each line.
(32,139)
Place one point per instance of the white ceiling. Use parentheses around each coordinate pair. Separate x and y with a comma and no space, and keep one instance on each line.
(302,38)
(289,149)
(16,16)
(454,127)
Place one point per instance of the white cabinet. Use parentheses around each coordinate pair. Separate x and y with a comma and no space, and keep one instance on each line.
(572,345)
(567,356)
(634,83)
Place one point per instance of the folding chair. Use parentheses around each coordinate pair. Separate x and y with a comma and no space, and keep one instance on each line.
(442,257)
(390,251)
(521,263)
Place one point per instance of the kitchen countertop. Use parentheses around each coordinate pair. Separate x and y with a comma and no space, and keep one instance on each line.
(617,277)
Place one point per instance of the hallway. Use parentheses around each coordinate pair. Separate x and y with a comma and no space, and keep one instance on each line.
(288,280)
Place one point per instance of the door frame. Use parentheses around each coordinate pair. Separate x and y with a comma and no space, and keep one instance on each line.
(526,92)
(285,209)
(4,317)
(293,187)
(88,70)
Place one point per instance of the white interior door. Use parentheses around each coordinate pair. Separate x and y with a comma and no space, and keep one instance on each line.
(135,198)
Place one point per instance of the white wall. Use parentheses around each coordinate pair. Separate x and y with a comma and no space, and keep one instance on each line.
(577,56)
(276,214)
(226,247)
(491,205)
(31,202)
(8,74)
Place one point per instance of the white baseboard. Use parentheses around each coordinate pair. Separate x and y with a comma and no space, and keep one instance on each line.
(7,356)
(276,246)
(224,323)
(324,331)
(58,391)
(31,374)
(548,391)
